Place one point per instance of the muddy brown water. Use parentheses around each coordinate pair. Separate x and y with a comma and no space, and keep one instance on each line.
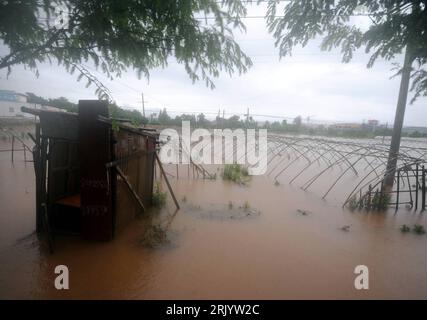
(214,252)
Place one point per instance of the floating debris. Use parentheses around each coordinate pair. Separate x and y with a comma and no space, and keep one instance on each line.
(346,228)
(303,212)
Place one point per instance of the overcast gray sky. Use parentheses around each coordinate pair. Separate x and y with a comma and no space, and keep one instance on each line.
(312,84)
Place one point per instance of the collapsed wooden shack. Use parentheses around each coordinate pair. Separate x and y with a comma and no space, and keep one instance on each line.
(93,174)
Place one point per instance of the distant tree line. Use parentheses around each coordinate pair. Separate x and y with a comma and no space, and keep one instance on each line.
(162,118)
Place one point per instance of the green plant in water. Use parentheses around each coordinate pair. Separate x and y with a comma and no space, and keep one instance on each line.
(159,197)
(353,203)
(377,201)
(235,173)
(230,205)
(418,229)
(246,206)
(405,229)
(380,201)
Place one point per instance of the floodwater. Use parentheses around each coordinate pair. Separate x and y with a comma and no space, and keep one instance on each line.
(285,244)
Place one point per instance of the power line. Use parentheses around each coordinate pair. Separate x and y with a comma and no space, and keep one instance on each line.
(282,16)
(180,112)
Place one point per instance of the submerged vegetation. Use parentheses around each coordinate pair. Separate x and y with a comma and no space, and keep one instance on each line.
(405,229)
(353,203)
(211,177)
(230,205)
(417,229)
(377,201)
(380,201)
(246,206)
(236,173)
(159,197)
(154,236)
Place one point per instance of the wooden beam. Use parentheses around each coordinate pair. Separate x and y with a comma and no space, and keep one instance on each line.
(131,189)
(166,179)
(135,155)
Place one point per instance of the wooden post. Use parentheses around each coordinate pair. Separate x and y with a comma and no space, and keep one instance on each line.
(13,145)
(166,179)
(47,228)
(410,190)
(42,182)
(95,191)
(37,171)
(423,186)
(25,154)
(370,197)
(416,187)
(398,190)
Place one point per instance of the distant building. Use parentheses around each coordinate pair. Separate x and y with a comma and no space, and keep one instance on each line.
(8,95)
(346,126)
(11,103)
(373,123)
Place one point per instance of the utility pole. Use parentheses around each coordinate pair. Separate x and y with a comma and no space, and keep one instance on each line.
(398,121)
(247,119)
(385,131)
(143,106)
